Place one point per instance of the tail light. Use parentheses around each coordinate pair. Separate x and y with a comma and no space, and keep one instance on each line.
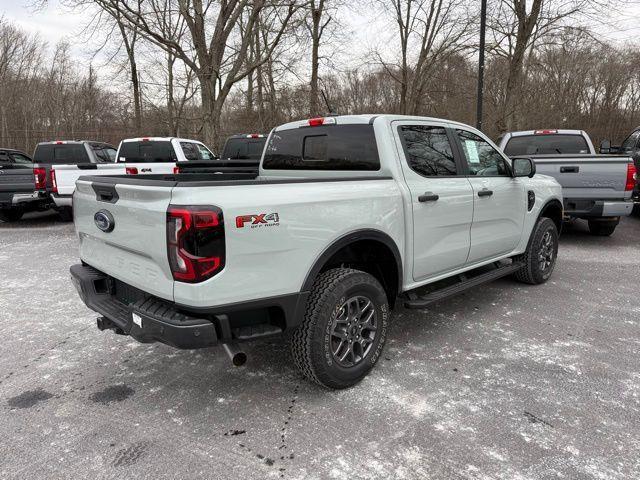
(176,170)
(40,175)
(195,242)
(54,184)
(632,176)
(131,170)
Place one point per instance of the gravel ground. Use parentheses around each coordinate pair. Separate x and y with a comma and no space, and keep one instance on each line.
(508,381)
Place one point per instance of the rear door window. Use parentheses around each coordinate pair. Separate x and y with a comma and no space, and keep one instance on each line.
(630,142)
(548,144)
(147,152)
(428,150)
(20,159)
(196,151)
(104,152)
(326,147)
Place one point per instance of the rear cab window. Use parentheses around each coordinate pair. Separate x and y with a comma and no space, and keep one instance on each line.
(243,148)
(326,147)
(61,154)
(546,144)
(147,151)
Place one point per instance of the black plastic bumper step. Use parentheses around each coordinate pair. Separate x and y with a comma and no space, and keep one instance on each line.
(415,301)
(253,332)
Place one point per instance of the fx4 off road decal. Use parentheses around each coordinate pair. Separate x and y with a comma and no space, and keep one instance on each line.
(258,220)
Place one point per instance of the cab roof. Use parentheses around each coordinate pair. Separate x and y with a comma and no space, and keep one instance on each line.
(363,119)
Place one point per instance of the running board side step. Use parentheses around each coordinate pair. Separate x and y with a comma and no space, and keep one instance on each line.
(465,283)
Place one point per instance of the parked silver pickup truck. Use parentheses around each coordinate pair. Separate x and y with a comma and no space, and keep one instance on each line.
(596,188)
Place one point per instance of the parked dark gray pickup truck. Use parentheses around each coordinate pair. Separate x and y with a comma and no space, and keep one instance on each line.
(596,188)
(18,190)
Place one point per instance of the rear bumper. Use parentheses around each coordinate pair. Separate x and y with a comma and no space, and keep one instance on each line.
(26,201)
(150,319)
(584,208)
(62,201)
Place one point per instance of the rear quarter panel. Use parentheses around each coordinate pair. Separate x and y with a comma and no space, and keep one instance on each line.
(266,260)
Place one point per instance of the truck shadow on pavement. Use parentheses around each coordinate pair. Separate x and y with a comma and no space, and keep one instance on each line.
(44,219)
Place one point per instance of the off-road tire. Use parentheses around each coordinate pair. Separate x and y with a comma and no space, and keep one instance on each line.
(11,214)
(532,272)
(65,214)
(602,229)
(311,342)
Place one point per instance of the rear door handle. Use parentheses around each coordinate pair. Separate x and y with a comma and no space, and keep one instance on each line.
(428,197)
(485,193)
(569,169)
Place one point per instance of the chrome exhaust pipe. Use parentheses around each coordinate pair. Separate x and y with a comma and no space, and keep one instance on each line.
(237,356)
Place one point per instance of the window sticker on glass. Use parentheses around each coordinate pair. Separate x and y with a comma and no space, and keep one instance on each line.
(472,151)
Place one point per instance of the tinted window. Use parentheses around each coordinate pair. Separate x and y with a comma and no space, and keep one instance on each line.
(103,152)
(428,150)
(146,152)
(21,159)
(196,151)
(244,148)
(482,159)
(66,153)
(546,144)
(330,147)
(190,151)
(630,142)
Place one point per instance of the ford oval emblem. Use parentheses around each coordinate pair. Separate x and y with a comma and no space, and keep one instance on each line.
(104,221)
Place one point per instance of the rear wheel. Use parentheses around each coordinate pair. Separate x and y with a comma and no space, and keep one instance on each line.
(540,258)
(66,214)
(11,214)
(602,228)
(344,328)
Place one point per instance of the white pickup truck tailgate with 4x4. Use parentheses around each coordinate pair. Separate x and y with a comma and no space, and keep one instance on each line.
(346,215)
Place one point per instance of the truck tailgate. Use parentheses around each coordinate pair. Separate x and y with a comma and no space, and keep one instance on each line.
(66,175)
(135,251)
(601,177)
(15,180)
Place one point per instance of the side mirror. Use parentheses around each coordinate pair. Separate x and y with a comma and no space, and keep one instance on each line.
(523,167)
(605,146)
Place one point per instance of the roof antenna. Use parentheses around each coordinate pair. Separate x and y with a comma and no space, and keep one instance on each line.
(329,109)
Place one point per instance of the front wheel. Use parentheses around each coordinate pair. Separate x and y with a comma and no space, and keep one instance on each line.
(541,254)
(344,328)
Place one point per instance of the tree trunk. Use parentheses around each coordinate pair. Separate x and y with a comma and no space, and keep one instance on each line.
(173,127)
(210,124)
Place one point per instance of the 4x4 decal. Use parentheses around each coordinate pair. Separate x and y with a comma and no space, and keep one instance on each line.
(258,220)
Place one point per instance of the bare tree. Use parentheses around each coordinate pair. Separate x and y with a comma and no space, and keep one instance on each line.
(220,46)
(430,31)
(518,28)
(317,21)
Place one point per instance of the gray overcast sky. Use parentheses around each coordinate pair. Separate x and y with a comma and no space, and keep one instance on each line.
(56,23)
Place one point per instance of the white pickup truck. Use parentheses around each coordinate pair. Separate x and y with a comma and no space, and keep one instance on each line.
(154,155)
(596,188)
(347,215)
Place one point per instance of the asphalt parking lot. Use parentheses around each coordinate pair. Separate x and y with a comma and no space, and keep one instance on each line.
(508,382)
